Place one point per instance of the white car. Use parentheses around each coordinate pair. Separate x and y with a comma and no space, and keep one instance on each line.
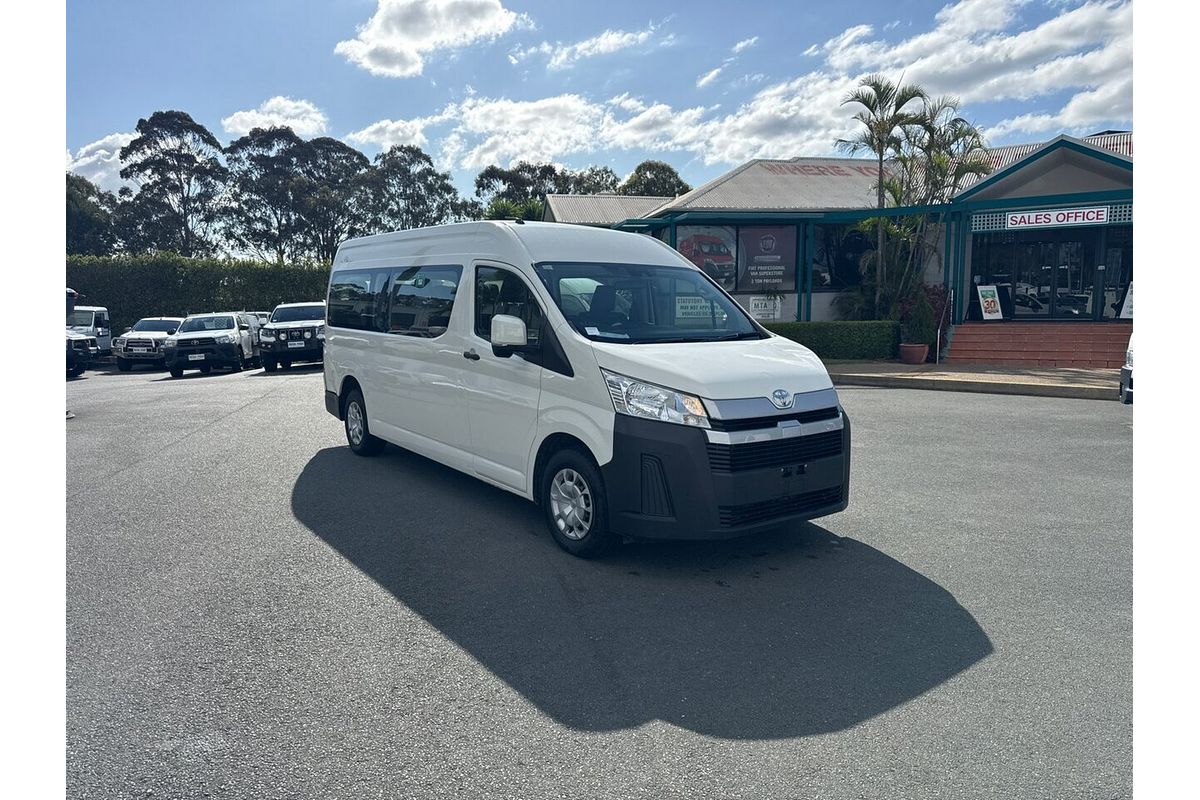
(654,407)
(93,321)
(208,341)
(142,344)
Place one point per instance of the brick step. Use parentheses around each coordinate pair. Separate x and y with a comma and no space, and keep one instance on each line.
(1032,362)
(977,332)
(1013,352)
(975,337)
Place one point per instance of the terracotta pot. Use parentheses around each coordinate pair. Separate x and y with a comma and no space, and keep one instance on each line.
(914,353)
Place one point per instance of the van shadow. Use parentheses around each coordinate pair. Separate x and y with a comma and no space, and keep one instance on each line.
(777,635)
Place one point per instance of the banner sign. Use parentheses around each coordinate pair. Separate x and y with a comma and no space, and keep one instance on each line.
(767,259)
(989,302)
(1057,217)
(767,308)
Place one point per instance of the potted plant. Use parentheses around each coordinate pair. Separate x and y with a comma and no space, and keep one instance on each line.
(918,333)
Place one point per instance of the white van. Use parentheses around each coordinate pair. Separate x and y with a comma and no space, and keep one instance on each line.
(93,321)
(597,373)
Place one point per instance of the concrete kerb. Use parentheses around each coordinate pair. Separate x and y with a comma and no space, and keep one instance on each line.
(1077,384)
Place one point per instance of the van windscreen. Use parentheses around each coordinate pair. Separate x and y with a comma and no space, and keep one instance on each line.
(643,304)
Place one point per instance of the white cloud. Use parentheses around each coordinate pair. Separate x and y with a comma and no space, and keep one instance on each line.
(1073,72)
(388,132)
(812,50)
(304,118)
(100,161)
(708,77)
(564,56)
(744,43)
(396,39)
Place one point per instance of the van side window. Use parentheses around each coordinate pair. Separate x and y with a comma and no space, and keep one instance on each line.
(501,291)
(422,299)
(357,299)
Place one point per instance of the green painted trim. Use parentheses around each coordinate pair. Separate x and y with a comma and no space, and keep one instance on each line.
(801,246)
(1036,155)
(810,246)
(946,256)
(673,236)
(1106,196)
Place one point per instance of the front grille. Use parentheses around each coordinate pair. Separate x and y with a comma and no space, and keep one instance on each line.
(751,423)
(147,343)
(775,453)
(201,342)
(748,513)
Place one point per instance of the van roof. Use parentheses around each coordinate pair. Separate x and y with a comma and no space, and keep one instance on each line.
(512,242)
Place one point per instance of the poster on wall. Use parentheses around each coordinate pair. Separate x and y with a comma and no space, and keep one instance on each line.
(1127,305)
(989,302)
(766,259)
(765,308)
(711,248)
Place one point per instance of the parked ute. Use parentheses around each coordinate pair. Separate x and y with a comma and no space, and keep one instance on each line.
(207,341)
(143,343)
(81,352)
(295,333)
(598,373)
(93,321)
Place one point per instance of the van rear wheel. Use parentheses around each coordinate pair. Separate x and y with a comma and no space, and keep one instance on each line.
(358,433)
(575,504)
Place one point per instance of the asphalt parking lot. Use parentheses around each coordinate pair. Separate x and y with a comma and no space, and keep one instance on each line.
(252,611)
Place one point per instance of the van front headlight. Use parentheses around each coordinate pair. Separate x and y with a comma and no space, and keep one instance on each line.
(650,401)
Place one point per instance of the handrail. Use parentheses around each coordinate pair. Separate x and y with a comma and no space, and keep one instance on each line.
(937,357)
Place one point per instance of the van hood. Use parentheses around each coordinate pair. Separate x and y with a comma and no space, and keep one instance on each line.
(719,370)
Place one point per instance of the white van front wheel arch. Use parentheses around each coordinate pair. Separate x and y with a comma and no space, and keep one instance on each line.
(551,445)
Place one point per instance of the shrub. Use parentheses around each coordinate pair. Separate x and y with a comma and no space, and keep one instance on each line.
(921,327)
(873,339)
(169,285)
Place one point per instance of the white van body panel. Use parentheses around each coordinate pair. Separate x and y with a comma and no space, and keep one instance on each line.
(720,370)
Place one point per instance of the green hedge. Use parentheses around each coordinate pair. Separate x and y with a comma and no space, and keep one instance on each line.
(168,285)
(844,340)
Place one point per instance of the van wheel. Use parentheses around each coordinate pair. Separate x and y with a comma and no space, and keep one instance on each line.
(358,433)
(575,504)
(124,364)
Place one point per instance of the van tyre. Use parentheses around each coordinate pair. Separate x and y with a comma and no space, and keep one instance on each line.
(124,364)
(358,433)
(575,504)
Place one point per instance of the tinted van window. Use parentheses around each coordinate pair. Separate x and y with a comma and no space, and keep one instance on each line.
(358,300)
(501,291)
(422,299)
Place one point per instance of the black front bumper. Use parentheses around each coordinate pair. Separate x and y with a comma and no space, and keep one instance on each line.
(668,482)
(314,350)
(215,355)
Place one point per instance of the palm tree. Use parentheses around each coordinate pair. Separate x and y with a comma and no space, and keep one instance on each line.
(883,117)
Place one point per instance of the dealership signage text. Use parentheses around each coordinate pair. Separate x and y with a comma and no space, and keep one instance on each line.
(1056,217)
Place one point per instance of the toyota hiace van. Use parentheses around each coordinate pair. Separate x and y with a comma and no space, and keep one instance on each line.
(599,374)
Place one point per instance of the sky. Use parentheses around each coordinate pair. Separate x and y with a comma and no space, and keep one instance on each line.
(704,86)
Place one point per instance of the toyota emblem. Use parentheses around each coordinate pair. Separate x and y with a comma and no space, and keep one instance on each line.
(782,398)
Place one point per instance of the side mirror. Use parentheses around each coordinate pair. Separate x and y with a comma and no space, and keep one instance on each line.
(243,327)
(172,331)
(127,330)
(508,335)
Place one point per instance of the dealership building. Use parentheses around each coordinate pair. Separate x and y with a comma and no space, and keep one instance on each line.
(1051,227)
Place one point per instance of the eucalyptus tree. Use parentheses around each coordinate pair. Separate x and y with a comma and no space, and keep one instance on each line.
(407,191)
(264,214)
(884,112)
(176,164)
(334,202)
(654,179)
(89,217)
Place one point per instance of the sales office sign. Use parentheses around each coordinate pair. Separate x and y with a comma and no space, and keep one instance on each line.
(1058,217)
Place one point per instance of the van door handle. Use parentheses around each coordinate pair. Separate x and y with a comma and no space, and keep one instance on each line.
(471,354)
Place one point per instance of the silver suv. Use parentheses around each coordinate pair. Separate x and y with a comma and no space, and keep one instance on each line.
(143,343)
